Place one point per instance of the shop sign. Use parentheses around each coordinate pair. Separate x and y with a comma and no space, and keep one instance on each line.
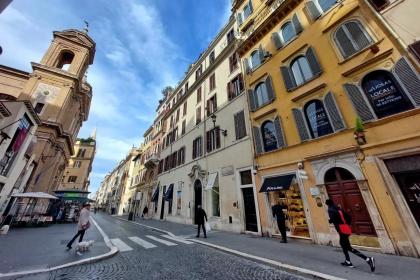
(384,95)
(314,191)
(318,119)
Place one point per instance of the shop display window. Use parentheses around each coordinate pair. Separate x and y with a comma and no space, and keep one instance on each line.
(294,211)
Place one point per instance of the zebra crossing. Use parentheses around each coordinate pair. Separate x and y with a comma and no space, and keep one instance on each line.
(148,242)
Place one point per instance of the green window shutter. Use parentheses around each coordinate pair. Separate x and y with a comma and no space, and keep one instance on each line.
(296,24)
(257,140)
(270,89)
(408,78)
(275,37)
(288,79)
(281,142)
(312,10)
(333,111)
(360,105)
(313,62)
(300,124)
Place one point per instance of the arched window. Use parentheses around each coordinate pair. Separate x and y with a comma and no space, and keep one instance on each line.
(255,59)
(269,136)
(351,37)
(385,94)
(325,5)
(261,94)
(317,119)
(65,59)
(301,70)
(288,32)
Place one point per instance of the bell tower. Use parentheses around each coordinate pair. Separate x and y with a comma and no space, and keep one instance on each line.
(61,96)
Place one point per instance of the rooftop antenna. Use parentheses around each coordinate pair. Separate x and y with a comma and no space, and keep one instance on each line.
(86,29)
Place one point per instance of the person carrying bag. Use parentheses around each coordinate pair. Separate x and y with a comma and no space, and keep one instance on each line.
(342,221)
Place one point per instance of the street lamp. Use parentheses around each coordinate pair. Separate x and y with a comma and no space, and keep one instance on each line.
(213,118)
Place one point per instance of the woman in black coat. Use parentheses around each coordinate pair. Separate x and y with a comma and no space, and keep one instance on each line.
(199,218)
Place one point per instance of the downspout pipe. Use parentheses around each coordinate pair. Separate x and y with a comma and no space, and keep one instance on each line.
(379,17)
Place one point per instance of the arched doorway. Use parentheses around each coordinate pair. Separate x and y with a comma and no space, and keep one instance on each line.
(342,188)
(198,190)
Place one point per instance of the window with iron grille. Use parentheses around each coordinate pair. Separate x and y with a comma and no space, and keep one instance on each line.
(212,105)
(72,179)
(198,115)
(199,95)
(233,62)
(212,57)
(212,81)
(235,87)
(197,147)
(240,127)
(213,139)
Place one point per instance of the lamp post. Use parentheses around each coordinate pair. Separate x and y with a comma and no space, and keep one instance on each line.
(213,118)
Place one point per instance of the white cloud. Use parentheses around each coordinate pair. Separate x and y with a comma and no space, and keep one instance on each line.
(114,149)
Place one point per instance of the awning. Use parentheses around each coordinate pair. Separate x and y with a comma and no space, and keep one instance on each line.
(277,183)
(211,181)
(34,195)
(155,195)
(170,192)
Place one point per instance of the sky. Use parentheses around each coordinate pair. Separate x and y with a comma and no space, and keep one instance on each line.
(141,47)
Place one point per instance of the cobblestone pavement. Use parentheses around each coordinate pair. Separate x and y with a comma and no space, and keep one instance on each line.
(180,261)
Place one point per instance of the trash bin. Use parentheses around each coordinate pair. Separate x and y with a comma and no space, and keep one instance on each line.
(130,216)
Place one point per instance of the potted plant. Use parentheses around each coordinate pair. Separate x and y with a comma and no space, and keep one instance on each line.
(359,132)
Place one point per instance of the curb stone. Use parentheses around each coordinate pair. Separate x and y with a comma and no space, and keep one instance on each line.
(113,251)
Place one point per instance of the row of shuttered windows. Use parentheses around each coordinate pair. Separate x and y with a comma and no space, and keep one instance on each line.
(381,93)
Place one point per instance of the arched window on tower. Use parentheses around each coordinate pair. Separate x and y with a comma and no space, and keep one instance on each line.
(65,59)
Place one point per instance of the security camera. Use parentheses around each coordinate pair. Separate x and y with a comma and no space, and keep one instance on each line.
(254,171)
(300,165)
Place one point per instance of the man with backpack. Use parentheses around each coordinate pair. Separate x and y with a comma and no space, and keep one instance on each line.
(342,222)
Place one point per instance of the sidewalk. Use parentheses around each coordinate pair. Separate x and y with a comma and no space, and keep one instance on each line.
(24,249)
(318,258)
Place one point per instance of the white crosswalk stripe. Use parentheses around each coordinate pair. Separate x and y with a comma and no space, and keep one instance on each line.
(177,239)
(142,242)
(168,243)
(121,245)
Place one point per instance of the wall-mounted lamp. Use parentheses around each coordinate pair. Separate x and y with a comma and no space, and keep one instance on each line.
(213,118)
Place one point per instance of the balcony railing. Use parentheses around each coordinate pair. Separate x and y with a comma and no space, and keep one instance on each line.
(151,161)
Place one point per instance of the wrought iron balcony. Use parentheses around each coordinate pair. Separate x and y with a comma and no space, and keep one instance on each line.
(151,161)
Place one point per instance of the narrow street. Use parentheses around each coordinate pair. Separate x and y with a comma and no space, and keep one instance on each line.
(147,254)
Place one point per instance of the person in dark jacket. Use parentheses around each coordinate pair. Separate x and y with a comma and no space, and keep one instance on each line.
(278,213)
(337,220)
(200,218)
(145,211)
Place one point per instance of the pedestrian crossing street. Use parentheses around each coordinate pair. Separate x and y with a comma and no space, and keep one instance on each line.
(148,242)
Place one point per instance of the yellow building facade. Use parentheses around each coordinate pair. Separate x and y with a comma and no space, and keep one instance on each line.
(312,69)
(76,174)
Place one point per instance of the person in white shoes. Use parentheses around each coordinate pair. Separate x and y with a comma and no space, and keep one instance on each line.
(342,222)
(82,225)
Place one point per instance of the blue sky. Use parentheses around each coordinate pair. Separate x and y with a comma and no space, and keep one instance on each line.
(142,46)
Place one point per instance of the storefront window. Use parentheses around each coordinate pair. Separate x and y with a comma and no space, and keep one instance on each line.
(317,119)
(294,211)
(384,94)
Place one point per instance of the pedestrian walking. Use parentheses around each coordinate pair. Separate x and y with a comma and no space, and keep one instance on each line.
(145,211)
(60,215)
(201,218)
(278,214)
(342,221)
(82,225)
(94,210)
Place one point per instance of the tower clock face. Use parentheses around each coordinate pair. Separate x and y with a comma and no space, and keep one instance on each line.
(47,93)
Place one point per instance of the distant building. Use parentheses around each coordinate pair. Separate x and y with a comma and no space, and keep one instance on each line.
(76,174)
(60,95)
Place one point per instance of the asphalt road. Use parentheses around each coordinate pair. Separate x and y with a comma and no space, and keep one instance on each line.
(147,254)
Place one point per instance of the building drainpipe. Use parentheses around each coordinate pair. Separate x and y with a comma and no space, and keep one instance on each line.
(251,135)
(387,26)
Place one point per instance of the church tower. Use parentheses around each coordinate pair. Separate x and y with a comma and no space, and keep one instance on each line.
(61,96)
